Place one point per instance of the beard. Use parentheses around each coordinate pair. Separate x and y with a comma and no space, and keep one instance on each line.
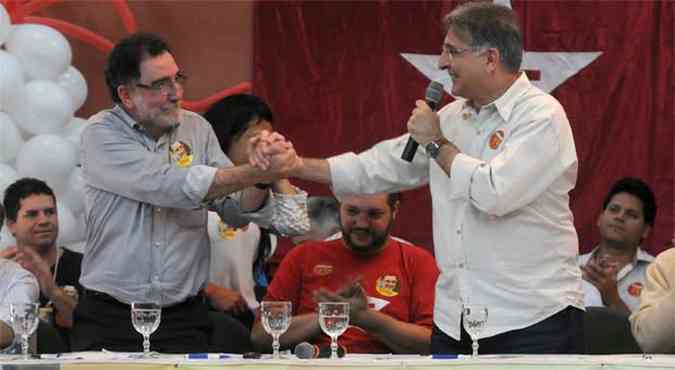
(377,239)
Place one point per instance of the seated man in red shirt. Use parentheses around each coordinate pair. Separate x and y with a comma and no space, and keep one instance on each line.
(389,284)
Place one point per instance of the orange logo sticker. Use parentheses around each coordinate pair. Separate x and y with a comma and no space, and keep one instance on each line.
(496,139)
(388,285)
(323,270)
(635,289)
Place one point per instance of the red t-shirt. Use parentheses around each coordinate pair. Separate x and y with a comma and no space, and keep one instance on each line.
(399,281)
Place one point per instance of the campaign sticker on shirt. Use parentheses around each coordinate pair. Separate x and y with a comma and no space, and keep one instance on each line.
(225,231)
(181,153)
(496,139)
(323,270)
(388,285)
(635,289)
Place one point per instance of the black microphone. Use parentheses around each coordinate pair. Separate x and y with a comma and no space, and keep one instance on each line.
(306,351)
(432,96)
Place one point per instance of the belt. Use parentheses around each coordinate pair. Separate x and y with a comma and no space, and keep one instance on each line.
(195,299)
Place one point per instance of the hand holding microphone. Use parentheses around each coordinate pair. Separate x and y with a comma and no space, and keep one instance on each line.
(419,121)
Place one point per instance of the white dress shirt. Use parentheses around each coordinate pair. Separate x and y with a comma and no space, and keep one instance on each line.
(629,281)
(503,230)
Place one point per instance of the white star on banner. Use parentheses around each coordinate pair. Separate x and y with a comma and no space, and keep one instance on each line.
(547,70)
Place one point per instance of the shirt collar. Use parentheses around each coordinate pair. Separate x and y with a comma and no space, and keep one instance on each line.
(504,104)
(129,120)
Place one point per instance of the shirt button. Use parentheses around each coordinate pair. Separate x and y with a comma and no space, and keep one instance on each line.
(461,265)
(155,278)
(459,231)
(157,244)
(158,210)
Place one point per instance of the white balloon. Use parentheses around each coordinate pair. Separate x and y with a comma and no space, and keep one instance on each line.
(6,238)
(7,176)
(5,25)
(11,80)
(73,130)
(50,158)
(10,139)
(43,108)
(73,195)
(70,230)
(42,50)
(75,85)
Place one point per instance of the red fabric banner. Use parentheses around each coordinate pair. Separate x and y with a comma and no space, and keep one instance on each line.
(337,81)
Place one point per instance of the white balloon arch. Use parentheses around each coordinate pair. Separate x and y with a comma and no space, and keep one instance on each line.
(39,135)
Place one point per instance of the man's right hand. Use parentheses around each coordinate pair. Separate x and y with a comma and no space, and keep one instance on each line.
(271,151)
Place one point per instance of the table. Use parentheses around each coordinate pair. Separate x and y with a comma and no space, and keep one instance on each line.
(362,362)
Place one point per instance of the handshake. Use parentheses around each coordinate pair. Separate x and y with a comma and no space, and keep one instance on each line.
(270,151)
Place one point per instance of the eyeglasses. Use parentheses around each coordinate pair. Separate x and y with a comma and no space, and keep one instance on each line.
(166,85)
(455,52)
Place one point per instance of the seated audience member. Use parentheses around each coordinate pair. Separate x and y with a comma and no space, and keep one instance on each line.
(238,254)
(16,286)
(653,324)
(388,283)
(33,221)
(614,271)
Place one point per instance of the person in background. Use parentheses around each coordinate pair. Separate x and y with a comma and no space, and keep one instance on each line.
(17,285)
(32,219)
(239,254)
(614,271)
(653,324)
(388,283)
(152,171)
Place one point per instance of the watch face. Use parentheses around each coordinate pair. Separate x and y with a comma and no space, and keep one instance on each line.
(432,149)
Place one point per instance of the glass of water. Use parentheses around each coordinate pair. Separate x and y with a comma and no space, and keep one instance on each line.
(146,318)
(474,317)
(24,318)
(276,318)
(334,320)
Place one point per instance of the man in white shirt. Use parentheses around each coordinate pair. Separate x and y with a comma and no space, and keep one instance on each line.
(614,272)
(16,286)
(500,164)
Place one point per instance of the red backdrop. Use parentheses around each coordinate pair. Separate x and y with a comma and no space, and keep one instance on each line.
(335,78)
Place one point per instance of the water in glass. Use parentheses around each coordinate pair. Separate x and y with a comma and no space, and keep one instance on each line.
(145,318)
(276,318)
(474,318)
(334,320)
(24,319)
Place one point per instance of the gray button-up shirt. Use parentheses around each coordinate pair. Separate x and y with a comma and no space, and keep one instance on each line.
(145,217)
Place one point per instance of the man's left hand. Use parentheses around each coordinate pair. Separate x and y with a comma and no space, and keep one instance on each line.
(424,125)
(31,261)
(604,280)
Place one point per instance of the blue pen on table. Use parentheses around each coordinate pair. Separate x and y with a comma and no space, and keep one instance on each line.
(444,356)
(206,356)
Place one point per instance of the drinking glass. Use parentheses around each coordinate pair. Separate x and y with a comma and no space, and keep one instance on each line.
(24,318)
(146,317)
(334,320)
(276,318)
(474,318)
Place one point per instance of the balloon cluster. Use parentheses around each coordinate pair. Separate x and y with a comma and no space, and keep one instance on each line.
(39,135)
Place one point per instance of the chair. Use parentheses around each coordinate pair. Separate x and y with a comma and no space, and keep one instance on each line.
(608,332)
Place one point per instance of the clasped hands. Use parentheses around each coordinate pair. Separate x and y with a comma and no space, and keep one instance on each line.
(270,151)
(353,293)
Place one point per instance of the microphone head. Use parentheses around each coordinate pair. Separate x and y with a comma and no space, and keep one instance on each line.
(304,350)
(434,93)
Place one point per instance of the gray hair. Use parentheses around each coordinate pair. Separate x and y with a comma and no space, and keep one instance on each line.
(486,25)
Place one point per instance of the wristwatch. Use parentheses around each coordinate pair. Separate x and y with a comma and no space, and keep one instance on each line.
(433,148)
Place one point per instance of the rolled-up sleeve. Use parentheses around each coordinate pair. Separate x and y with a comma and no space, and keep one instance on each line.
(117,163)
(379,169)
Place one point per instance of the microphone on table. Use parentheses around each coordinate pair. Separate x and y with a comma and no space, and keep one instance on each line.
(432,96)
(306,351)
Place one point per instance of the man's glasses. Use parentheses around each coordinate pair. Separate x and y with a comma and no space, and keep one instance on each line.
(166,85)
(455,52)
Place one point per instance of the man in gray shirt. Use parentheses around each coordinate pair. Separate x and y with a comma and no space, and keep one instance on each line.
(151,171)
